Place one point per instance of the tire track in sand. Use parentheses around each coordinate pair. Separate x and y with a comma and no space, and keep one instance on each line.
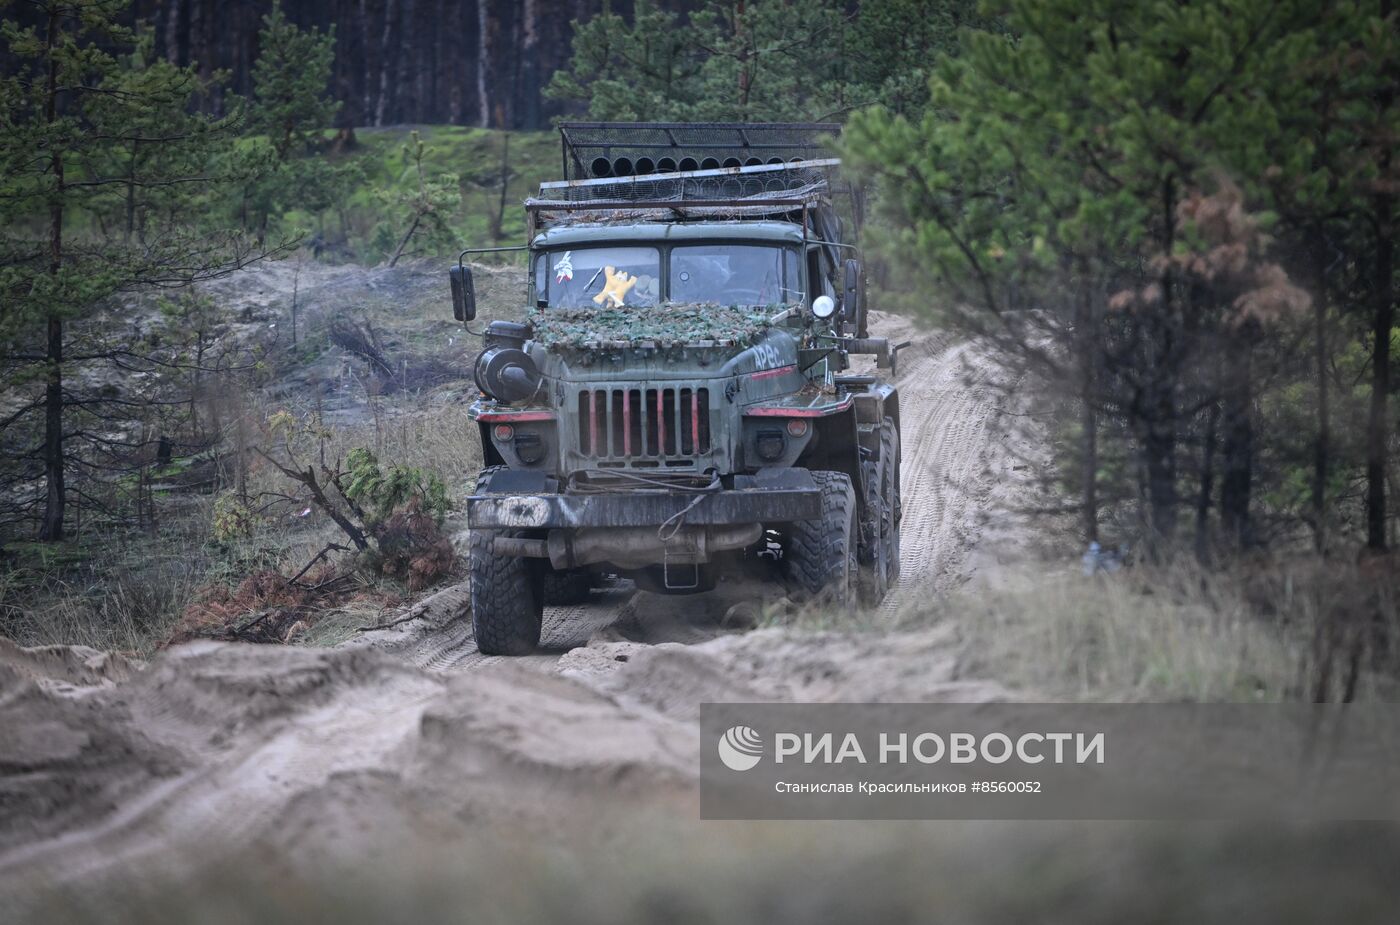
(946,408)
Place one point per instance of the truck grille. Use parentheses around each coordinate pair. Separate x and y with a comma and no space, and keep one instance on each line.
(643,423)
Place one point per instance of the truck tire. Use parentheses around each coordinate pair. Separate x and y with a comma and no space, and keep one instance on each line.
(506,593)
(819,555)
(506,596)
(889,464)
(872,581)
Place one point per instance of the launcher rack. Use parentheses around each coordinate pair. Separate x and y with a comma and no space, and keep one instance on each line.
(595,150)
(626,172)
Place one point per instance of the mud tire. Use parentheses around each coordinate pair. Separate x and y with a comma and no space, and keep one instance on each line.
(506,592)
(506,597)
(889,466)
(819,555)
(873,577)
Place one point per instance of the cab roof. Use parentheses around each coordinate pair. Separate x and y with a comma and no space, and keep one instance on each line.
(661,232)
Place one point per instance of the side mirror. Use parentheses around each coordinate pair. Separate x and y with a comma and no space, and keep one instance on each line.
(463,293)
(853,300)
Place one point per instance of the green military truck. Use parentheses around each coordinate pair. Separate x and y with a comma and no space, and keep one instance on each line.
(680,400)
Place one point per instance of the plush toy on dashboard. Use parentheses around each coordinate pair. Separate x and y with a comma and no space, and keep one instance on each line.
(615,290)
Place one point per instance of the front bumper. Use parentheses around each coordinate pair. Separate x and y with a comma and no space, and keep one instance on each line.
(769,496)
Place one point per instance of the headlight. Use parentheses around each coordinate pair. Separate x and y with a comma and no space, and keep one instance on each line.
(770,444)
(823,306)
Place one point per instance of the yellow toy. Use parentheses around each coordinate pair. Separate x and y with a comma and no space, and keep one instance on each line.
(619,283)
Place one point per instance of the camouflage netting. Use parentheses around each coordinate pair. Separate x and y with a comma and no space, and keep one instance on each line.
(662,325)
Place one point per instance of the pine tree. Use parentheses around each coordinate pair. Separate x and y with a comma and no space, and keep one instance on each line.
(104,167)
(291,83)
(643,70)
(1094,196)
(733,60)
(290,109)
(895,45)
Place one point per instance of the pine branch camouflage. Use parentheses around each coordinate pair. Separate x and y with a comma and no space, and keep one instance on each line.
(665,325)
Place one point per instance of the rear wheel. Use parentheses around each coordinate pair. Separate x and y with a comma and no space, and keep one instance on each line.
(889,464)
(874,573)
(819,556)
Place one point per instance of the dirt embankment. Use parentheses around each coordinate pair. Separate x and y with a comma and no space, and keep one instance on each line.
(410,735)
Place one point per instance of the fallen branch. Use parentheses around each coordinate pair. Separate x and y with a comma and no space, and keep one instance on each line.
(318,497)
(407,618)
(329,547)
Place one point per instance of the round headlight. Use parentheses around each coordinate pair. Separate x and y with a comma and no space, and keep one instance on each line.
(823,306)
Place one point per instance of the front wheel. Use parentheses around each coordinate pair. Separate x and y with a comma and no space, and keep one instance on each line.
(819,556)
(506,598)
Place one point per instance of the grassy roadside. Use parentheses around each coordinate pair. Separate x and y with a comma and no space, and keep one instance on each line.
(1266,631)
(118,585)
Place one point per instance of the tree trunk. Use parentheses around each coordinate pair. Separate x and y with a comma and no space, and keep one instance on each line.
(172,31)
(1160,439)
(454,27)
(1086,334)
(55,492)
(366,96)
(529,86)
(745,74)
(411,68)
(1377,431)
(1237,443)
(1322,443)
(498,220)
(1207,487)
(485,62)
(385,49)
(1159,447)
(403,243)
(131,192)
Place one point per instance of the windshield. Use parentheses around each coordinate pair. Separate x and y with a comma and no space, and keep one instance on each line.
(604,276)
(732,274)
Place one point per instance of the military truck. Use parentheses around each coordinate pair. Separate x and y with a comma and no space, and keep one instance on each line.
(680,401)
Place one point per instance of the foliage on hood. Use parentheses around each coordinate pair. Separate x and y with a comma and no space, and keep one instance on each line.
(663,325)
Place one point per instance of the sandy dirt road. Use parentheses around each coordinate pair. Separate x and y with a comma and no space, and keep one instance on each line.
(113,772)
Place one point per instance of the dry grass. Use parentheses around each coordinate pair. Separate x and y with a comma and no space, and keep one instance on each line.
(119,588)
(1123,638)
(116,599)
(129,592)
(1263,630)
(1268,631)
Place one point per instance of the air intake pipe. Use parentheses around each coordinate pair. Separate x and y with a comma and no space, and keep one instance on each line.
(504,370)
